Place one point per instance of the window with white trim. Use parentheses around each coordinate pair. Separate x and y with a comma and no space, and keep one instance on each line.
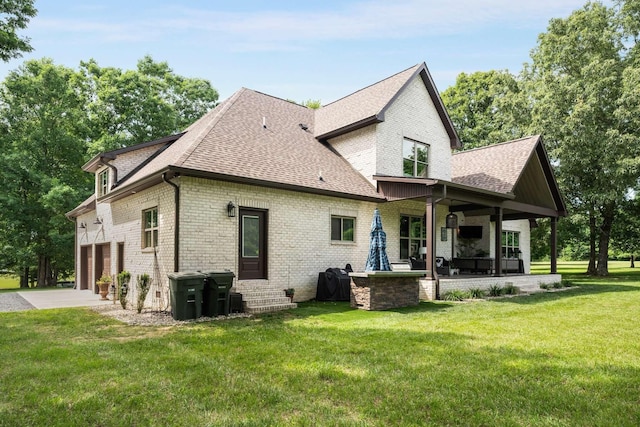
(103,182)
(511,244)
(150,228)
(342,228)
(415,158)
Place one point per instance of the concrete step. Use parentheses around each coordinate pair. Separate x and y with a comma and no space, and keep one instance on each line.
(265,300)
(270,308)
(263,294)
(256,301)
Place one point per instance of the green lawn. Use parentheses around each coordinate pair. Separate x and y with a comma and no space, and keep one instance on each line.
(554,359)
(9,282)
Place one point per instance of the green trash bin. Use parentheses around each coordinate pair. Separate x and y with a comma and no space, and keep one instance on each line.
(186,295)
(216,293)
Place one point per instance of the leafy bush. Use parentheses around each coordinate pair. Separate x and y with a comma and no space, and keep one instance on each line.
(545,286)
(144,284)
(455,295)
(510,289)
(566,283)
(124,278)
(477,293)
(495,290)
(557,285)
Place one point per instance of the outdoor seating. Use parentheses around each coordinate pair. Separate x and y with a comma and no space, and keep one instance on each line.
(418,264)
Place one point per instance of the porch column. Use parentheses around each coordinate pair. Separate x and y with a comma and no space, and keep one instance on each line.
(430,223)
(554,245)
(498,243)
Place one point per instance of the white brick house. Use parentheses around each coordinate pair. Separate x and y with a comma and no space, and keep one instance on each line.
(302,185)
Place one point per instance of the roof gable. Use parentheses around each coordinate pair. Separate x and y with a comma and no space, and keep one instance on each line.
(520,168)
(98,160)
(368,105)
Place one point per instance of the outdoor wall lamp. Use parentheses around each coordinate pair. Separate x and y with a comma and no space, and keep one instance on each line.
(231,210)
(82,225)
(98,221)
(452,220)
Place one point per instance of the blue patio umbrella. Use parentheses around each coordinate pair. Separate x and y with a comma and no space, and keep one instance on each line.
(377,259)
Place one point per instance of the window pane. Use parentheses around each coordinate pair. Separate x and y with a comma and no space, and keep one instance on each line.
(154,217)
(422,152)
(408,149)
(415,245)
(147,219)
(336,228)
(347,229)
(250,236)
(404,226)
(416,227)
(421,171)
(516,240)
(407,167)
(404,248)
(147,239)
(155,238)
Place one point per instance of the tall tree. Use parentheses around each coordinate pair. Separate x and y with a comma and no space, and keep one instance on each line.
(486,107)
(140,105)
(53,119)
(14,16)
(42,147)
(582,82)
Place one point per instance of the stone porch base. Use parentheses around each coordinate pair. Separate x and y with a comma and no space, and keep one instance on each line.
(384,290)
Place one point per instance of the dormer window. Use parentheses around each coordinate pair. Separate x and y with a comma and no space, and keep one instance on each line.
(415,158)
(103,182)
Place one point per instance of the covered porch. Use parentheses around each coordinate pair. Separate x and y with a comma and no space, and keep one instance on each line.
(506,182)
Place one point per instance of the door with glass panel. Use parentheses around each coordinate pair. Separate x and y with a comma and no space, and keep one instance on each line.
(253,244)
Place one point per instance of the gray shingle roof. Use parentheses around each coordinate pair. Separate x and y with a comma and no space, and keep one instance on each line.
(230,141)
(495,167)
(364,104)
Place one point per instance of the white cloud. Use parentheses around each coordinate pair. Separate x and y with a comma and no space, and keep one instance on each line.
(278,30)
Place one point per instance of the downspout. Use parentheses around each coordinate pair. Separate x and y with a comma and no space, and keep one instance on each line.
(176,228)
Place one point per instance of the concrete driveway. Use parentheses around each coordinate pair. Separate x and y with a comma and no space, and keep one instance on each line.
(61,298)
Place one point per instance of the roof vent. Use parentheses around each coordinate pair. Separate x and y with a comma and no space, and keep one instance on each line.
(303,126)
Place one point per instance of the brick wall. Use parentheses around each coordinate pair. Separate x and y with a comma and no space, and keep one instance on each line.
(122,223)
(413,115)
(377,149)
(299,240)
(359,149)
(299,226)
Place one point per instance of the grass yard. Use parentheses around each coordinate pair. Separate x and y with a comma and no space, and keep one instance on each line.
(9,282)
(554,359)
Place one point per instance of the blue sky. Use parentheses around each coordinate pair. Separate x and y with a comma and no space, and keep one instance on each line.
(294,49)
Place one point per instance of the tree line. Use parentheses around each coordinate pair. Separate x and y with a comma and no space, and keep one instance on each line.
(581,93)
(53,119)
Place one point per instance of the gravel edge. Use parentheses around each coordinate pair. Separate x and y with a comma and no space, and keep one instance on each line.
(12,301)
